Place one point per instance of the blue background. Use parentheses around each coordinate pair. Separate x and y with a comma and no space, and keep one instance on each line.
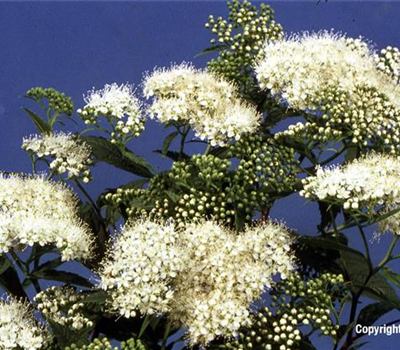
(74,46)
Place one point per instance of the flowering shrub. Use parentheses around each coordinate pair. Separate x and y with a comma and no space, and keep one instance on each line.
(189,254)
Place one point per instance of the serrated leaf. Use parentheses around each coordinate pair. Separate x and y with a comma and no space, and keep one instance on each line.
(372,312)
(41,125)
(62,276)
(167,142)
(356,269)
(211,50)
(105,151)
(391,276)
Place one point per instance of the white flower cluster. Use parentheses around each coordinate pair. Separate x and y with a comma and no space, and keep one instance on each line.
(62,305)
(118,102)
(297,68)
(34,210)
(224,273)
(143,261)
(210,104)
(368,181)
(390,224)
(68,152)
(18,327)
(203,275)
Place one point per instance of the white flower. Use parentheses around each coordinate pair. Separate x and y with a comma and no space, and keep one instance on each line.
(210,104)
(223,274)
(18,327)
(368,181)
(68,152)
(118,102)
(300,66)
(142,262)
(203,275)
(34,210)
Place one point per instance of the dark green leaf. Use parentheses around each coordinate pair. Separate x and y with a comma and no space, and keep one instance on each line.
(5,264)
(142,168)
(50,265)
(38,251)
(136,202)
(167,142)
(41,125)
(351,154)
(211,49)
(220,152)
(391,276)
(9,280)
(372,312)
(62,276)
(175,156)
(97,297)
(101,235)
(105,151)
(146,322)
(327,243)
(357,270)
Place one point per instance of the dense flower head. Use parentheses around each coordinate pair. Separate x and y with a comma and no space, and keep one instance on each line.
(391,224)
(18,327)
(69,154)
(143,261)
(224,273)
(119,105)
(203,275)
(35,210)
(365,182)
(208,103)
(299,66)
(62,306)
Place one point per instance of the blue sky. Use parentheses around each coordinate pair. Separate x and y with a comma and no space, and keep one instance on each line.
(74,46)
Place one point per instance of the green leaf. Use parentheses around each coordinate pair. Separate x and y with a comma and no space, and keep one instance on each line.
(391,276)
(372,312)
(97,297)
(137,203)
(356,270)
(175,156)
(145,323)
(220,152)
(211,50)
(9,279)
(351,154)
(62,276)
(5,264)
(327,243)
(50,265)
(41,125)
(167,142)
(105,151)
(140,166)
